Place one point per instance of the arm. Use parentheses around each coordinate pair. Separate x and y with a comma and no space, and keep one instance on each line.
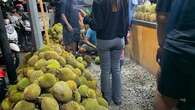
(163,8)
(69,27)
(63,7)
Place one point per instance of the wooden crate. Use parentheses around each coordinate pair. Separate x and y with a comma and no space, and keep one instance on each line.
(143,47)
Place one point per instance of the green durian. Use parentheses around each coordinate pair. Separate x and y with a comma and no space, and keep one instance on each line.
(32,92)
(48,103)
(102,102)
(33,60)
(24,105)
(23,83)
(61,91)
(6,104)
(47,80)
(83,90)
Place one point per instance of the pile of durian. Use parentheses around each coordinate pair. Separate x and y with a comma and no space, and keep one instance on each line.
(146,12)
(53,79)
(55,34)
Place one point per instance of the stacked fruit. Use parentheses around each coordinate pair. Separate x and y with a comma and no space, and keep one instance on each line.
(146,12)
(53,79)
(56,33)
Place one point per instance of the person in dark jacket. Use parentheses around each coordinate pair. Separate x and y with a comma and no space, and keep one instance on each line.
(177,78)
(67,13)
(163,9)
(111,25)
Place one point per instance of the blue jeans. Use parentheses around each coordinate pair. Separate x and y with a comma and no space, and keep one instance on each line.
(109,52)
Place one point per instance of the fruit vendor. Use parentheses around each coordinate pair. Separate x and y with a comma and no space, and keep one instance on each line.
(67,13)
(89,38)
(177,78)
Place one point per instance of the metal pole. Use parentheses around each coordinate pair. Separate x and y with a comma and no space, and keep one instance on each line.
(44,21)
(35,23)
(7,54)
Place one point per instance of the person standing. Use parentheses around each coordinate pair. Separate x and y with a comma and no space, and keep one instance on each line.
(111,25)
(67,13)
(163,9)
(177,78)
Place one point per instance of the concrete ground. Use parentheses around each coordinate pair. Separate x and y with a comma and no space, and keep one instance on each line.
(138,87)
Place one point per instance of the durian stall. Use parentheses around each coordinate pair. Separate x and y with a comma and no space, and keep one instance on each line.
(143,41)
(53,79)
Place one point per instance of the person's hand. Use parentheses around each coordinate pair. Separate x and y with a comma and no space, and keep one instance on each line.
(70,29)
(83,14)
(85,40)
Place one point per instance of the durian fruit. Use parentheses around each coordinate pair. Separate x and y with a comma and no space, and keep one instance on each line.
(48,103)
(32,92)
(26,57)
(53,64)
(87,74)
(26,70)
(97,60)
(19,70)
(24,105)
(80,59)
(72,61)
(77,96)
(91,93)
(47,95)
(62,61)
(66,74)
(83,80)
(23,83)
(77,71)
(12,89)
(20,77)
(15,97)
(98,92)
(92,84)
(83,90)
(72,84)
(85,63)
(49,55)
(102,102)
(33,60)
(58,28)
(47,80)
(69,66)
(72,105)
(153,17)
(90,104)
(82,107)
(45,48)
(6,104)
(57,49)
(88,58)
(39,64)
(34,76)
(62,92)
(29,72)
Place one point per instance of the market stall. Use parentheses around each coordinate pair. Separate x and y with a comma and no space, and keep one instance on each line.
(143,42)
